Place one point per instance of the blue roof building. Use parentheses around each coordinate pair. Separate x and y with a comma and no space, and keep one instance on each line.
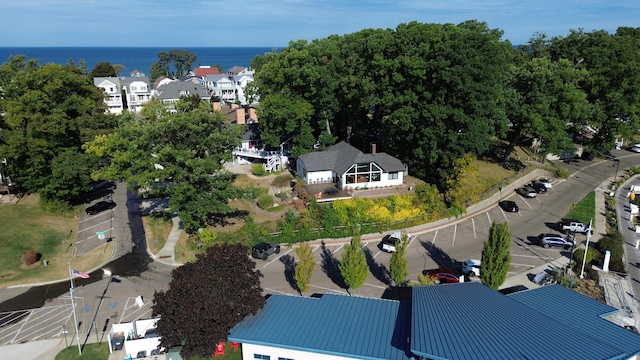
(455,321)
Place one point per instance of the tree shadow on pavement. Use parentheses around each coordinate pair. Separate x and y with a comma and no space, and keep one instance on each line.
(330,267)
(379,271)
(442,259)
(290,271)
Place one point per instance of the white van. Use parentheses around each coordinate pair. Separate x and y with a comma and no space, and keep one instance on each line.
(471,267)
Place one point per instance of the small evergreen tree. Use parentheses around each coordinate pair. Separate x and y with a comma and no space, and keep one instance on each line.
(495,256)
(353,265)
(398,266)
(305,267)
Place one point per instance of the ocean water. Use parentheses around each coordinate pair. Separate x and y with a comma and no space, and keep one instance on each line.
(135,58)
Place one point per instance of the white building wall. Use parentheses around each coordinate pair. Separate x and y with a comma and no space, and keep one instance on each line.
(249,351)
(384,182)
(320,177)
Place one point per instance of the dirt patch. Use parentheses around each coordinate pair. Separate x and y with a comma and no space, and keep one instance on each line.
(591,289)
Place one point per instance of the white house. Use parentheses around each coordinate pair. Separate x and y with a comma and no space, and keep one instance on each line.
(350,168)
(112,94)
(222,86)
(171,92)
(137,91)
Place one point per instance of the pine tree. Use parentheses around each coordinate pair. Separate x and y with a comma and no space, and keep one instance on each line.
(353,265)
(398,264)
(495,256)
(305,267)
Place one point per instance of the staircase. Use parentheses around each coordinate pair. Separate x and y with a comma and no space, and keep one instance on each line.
(273,163)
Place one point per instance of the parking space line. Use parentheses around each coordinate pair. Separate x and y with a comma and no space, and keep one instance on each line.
(275,291)
(333,252)
(473,225)
(327,289)
(455,231)
(96,215)
(411,240)
(376,286)
(433,241)
(523,265)
(277,258)
(489,216)
(94,226)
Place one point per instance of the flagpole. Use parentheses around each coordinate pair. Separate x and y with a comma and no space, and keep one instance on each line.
(586,249)
(73,306)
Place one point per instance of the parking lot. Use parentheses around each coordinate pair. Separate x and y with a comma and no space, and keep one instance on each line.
(446,247)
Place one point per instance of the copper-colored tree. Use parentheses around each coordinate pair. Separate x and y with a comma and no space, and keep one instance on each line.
(206,298)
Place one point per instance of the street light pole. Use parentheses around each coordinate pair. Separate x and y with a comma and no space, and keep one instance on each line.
(585,250)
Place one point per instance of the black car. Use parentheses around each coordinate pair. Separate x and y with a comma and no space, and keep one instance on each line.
(539,187)
(263,250)
(508,205)
(100,207)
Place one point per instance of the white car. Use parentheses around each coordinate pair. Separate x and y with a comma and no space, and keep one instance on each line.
(635,148)
(546,182)
(389,242)
(471,267)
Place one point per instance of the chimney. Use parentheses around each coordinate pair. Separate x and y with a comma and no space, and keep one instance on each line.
(373,149)
(240,115)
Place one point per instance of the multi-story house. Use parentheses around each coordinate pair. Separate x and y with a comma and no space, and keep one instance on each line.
(171,92)
(137,92)
(221,86)
(112,93)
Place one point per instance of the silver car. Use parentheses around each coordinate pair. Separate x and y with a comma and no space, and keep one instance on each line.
(548,240)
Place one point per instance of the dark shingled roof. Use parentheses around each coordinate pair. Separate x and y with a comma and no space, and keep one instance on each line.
(341,156)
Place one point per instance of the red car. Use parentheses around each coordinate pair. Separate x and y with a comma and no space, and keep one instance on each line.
(444,276)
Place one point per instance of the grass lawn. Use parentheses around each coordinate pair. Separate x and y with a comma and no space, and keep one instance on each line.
(89,352)
(157,229)
(584,211)
(28,228)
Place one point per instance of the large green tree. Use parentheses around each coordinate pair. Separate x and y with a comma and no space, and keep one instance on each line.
(48,112)
(103,69)
(353,264)
(546,97)
(305,267)
(174,63)
(426,93)
(399,266)
(495,256)
(612,87)
(182,151)
(206,298)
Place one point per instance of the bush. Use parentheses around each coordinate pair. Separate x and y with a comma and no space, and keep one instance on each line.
(265,201)
(617,265)
(562,172)
(613,243)
(578,256)
(258,170)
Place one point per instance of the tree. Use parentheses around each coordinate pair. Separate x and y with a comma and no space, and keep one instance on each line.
(398,266)
(184,151)
(182,61)
(546,97)
(495,256)
(353,265)
(305,267)
(206,298)
(48,112)
(103,69)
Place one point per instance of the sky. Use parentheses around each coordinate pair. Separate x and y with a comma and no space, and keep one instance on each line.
(274,23)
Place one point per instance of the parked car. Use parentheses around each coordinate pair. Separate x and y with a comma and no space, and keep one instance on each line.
(635,148)
(263,250)
(100,207)
(539,187)
(444,276)
(556,240)
(102,184)
(389,242)
(572,225)
(546,182)
(471,267)
(527,191)
(508,206)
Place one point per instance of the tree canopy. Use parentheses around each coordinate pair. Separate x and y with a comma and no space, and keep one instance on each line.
(103,69)
(206,298)
(174,63)
(48,112)
(353,264)
(184,152)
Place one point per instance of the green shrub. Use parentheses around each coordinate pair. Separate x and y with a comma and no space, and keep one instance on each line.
(265,201)
(617,265)
(578,256)
(613,243)
(562,172)
(258,170)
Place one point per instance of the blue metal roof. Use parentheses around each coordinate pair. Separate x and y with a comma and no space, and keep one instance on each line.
(472,321)
(340,325)
(582,313)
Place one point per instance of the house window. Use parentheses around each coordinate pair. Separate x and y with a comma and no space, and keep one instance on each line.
(134,88)
(263,357)
(143,88)
(393,176)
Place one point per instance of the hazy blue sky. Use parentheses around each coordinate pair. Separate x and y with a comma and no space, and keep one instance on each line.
(212,23)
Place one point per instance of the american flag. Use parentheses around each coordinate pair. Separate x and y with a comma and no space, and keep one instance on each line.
(80,274)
